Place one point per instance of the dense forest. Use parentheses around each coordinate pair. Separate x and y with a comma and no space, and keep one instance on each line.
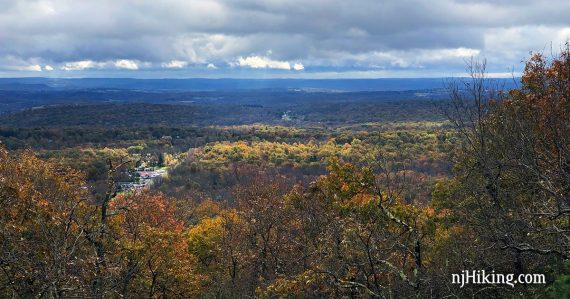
(348,197)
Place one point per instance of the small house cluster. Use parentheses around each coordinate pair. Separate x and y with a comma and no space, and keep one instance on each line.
(144,177)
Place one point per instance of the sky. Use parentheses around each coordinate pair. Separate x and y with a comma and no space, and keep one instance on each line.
(274,38)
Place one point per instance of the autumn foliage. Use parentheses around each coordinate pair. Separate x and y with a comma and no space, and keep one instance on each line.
(358,229)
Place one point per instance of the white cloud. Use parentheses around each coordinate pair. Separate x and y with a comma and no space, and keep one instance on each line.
(211,66)
(298,66)
(563,35)
(48,68)
(126,64)
(175,64)
(90,64)
(264,62)
(31,68)
(79,65)
(458,52)
(199,48)
(525,38)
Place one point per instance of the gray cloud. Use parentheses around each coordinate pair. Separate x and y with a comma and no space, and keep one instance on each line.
(334,35)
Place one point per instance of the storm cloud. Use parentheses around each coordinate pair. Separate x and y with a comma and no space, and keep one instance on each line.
(294,38)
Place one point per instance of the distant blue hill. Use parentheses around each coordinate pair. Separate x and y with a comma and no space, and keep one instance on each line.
(392,84)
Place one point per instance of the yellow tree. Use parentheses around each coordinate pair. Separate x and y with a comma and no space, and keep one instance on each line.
(44,210)
(150,250)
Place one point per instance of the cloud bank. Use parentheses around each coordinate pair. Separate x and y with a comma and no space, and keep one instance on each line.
(283,37)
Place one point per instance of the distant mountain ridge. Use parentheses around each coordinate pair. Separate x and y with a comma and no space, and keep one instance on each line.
(330,85)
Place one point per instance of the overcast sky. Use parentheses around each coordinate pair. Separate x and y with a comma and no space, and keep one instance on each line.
(273,38)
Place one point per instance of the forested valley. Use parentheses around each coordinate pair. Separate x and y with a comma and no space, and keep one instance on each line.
(310,194)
